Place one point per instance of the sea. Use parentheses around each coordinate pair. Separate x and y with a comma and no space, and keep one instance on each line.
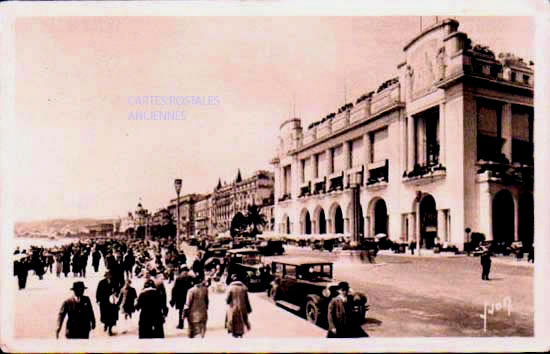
(25,243)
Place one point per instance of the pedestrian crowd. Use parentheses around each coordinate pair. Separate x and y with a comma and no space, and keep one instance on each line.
(125,259)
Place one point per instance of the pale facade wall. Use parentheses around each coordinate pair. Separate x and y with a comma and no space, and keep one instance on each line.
(461,199)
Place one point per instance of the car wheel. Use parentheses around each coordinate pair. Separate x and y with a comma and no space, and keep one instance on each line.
(312,312)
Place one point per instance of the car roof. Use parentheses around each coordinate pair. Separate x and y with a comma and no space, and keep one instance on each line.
(300,260)
(243,250)
(215,249)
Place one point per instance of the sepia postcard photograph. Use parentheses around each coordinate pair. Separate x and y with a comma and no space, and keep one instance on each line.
(238,176)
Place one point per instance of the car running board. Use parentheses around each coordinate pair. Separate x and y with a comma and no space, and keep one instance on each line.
(288,305)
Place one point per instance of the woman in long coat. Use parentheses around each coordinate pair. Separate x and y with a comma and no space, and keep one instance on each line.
(236,318)
(107,305)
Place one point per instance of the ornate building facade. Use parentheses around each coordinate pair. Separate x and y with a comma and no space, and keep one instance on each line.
(444,146)
(230,199)
(202,215)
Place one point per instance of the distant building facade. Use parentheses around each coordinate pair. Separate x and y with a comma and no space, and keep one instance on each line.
(444,146)
(187,213)
(230,199)
(202,215)
(103,229)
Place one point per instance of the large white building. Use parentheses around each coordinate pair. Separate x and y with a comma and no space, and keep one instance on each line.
(445,145)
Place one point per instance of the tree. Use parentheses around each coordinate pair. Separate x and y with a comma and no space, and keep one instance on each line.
(255,218)
(239,224)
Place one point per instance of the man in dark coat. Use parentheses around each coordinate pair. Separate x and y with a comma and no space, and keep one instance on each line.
(66,263)
(342,321)
(485,265)
(21,270)
(183,283)
(108,310)
(96,256)
(198,267)
(151,317)
(80,314)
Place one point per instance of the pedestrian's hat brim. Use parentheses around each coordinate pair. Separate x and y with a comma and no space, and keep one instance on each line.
(78,285)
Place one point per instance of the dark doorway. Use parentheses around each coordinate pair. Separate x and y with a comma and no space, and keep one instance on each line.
(503,217)
(428,222)
(307,223)
(322,222)
(338,221)
(380,218)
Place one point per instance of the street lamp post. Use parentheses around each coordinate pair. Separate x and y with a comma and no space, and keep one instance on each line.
(177,185)
(355,180)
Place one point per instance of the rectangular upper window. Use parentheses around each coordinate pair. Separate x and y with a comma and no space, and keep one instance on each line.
(379,145)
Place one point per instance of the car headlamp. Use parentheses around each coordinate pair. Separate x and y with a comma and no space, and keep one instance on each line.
(326,292)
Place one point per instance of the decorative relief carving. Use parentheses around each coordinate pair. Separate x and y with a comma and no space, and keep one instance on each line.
(441,63)
(427,64)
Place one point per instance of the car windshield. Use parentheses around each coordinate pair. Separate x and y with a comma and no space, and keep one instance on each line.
(316,272)
(251,258)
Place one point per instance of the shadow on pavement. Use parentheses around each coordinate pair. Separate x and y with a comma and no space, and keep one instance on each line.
(372,321)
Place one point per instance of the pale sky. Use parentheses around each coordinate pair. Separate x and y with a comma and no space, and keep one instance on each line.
(79,155)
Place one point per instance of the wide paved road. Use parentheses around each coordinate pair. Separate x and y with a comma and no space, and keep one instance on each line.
(436,296)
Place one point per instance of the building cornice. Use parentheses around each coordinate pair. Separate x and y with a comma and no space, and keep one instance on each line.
(430,29)
(364,121)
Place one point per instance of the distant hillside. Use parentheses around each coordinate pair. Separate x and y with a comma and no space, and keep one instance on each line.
(61,226)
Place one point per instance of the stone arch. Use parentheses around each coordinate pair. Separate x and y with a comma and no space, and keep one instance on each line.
(503,216)
(320,220)
(428,220)
(337,217)
(378,214)
(305,222)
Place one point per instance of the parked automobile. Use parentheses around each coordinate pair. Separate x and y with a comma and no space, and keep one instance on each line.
(306,285)
(241,242)
(248,265)
(370,244)
(213,257)
(271,247)
(324,244)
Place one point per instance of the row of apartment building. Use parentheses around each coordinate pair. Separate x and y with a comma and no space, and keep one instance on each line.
(445,146)
(208,214)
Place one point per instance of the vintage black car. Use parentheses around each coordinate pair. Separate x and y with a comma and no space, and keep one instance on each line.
(214,257)
(305,285)
(271,247)
(247,264)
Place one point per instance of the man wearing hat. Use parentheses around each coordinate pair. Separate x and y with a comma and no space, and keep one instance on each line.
(183,283)
(78,309)
(339,313)
(151,316)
